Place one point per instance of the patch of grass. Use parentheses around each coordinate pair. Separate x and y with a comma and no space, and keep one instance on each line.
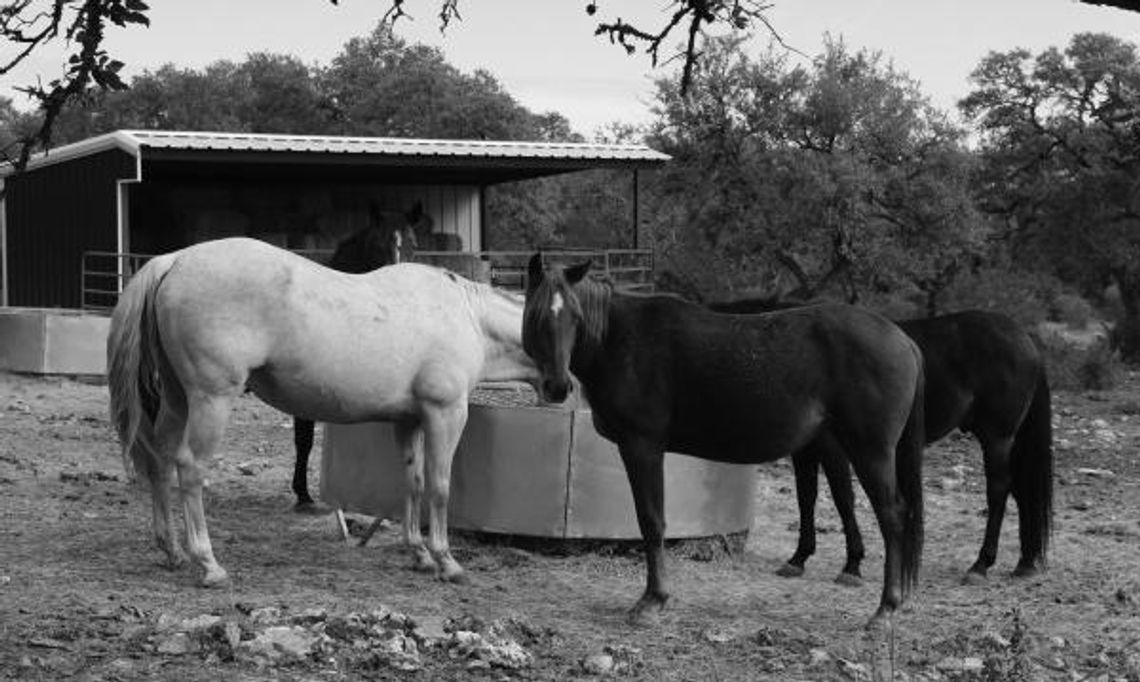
(1012,664)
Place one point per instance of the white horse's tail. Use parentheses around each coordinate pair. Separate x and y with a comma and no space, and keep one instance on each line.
(133,354)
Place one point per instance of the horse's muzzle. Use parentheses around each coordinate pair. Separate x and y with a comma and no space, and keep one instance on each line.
(555,391)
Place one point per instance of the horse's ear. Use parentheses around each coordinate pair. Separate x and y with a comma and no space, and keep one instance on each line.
(575,273)
(534,272)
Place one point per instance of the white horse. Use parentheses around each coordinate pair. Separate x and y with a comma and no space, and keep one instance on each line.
(405,343)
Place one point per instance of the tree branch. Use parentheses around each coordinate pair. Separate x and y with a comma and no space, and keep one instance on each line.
(1131,5)
(696,15)
(88,64)
(737,15)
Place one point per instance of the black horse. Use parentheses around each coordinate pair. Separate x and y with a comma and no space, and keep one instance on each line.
(389,238)
(661,373)
(985,376)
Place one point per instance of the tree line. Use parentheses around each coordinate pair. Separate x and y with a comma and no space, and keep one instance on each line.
(834,177)
(839,179)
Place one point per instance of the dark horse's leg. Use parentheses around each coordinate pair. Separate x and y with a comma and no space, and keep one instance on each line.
(996,452)
(303,440)
(805,463)
(1031,479)
(645,468)
(891,475)
(843,493)
(877,477)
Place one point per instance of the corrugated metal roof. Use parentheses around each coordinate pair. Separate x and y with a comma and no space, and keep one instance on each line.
(393,146)
(136,141)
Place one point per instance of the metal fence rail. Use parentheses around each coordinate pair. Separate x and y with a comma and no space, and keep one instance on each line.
(104,274)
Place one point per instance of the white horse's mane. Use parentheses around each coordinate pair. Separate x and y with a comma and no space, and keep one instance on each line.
(482,289)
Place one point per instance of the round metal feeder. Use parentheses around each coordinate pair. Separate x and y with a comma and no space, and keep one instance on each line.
(535,471)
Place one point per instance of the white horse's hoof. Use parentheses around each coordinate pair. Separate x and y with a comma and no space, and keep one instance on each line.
(215,577)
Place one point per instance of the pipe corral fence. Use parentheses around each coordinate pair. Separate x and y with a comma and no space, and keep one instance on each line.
(104,274)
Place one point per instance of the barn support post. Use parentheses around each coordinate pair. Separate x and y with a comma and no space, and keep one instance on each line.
(123,269)
(483,243)
(3,245)
(636,214)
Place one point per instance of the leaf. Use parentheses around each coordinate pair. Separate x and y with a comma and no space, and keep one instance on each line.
(136,18)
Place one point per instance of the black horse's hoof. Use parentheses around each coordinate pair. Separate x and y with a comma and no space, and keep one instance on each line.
(881,622)
(849,579)
(647,611)
(310,508)
(644,618)
(790,570)
(974,579)
(1026,571)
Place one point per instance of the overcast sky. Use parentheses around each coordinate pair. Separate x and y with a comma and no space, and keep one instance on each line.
(545,53)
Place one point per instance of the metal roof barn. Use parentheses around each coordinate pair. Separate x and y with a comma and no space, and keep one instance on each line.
(147,192)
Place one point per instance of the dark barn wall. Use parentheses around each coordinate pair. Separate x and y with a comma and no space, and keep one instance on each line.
(169,213)
(54,214)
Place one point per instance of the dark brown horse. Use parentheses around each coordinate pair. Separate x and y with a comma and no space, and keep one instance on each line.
(985,376)
(663,374)
(390,237)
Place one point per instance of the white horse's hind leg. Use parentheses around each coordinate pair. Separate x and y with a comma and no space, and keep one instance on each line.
(206,422)
(165,532)
(170,426)
(411,441)
(442,429)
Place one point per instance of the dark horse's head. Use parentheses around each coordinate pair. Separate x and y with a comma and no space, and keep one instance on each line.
(390,237)
(551,318)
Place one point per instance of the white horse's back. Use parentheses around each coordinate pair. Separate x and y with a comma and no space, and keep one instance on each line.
(314,342)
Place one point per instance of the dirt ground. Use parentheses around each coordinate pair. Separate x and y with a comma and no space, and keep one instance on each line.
(82,595)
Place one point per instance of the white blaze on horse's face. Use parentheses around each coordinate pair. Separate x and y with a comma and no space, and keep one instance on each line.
(562,330)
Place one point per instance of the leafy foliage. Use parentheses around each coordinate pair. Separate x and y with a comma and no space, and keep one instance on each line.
(81,24)
(835,177)
(1061,155)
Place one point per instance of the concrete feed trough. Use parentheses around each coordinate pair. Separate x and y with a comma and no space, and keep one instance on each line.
(535,471)
(53,341)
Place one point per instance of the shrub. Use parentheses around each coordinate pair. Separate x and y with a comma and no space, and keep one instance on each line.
(1023,296)
(1072,310)
(1096,367)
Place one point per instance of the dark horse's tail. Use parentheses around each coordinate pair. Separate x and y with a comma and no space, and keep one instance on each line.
(908,476)
(1031,474)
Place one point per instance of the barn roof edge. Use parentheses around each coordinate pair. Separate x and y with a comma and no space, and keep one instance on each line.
(136,142)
